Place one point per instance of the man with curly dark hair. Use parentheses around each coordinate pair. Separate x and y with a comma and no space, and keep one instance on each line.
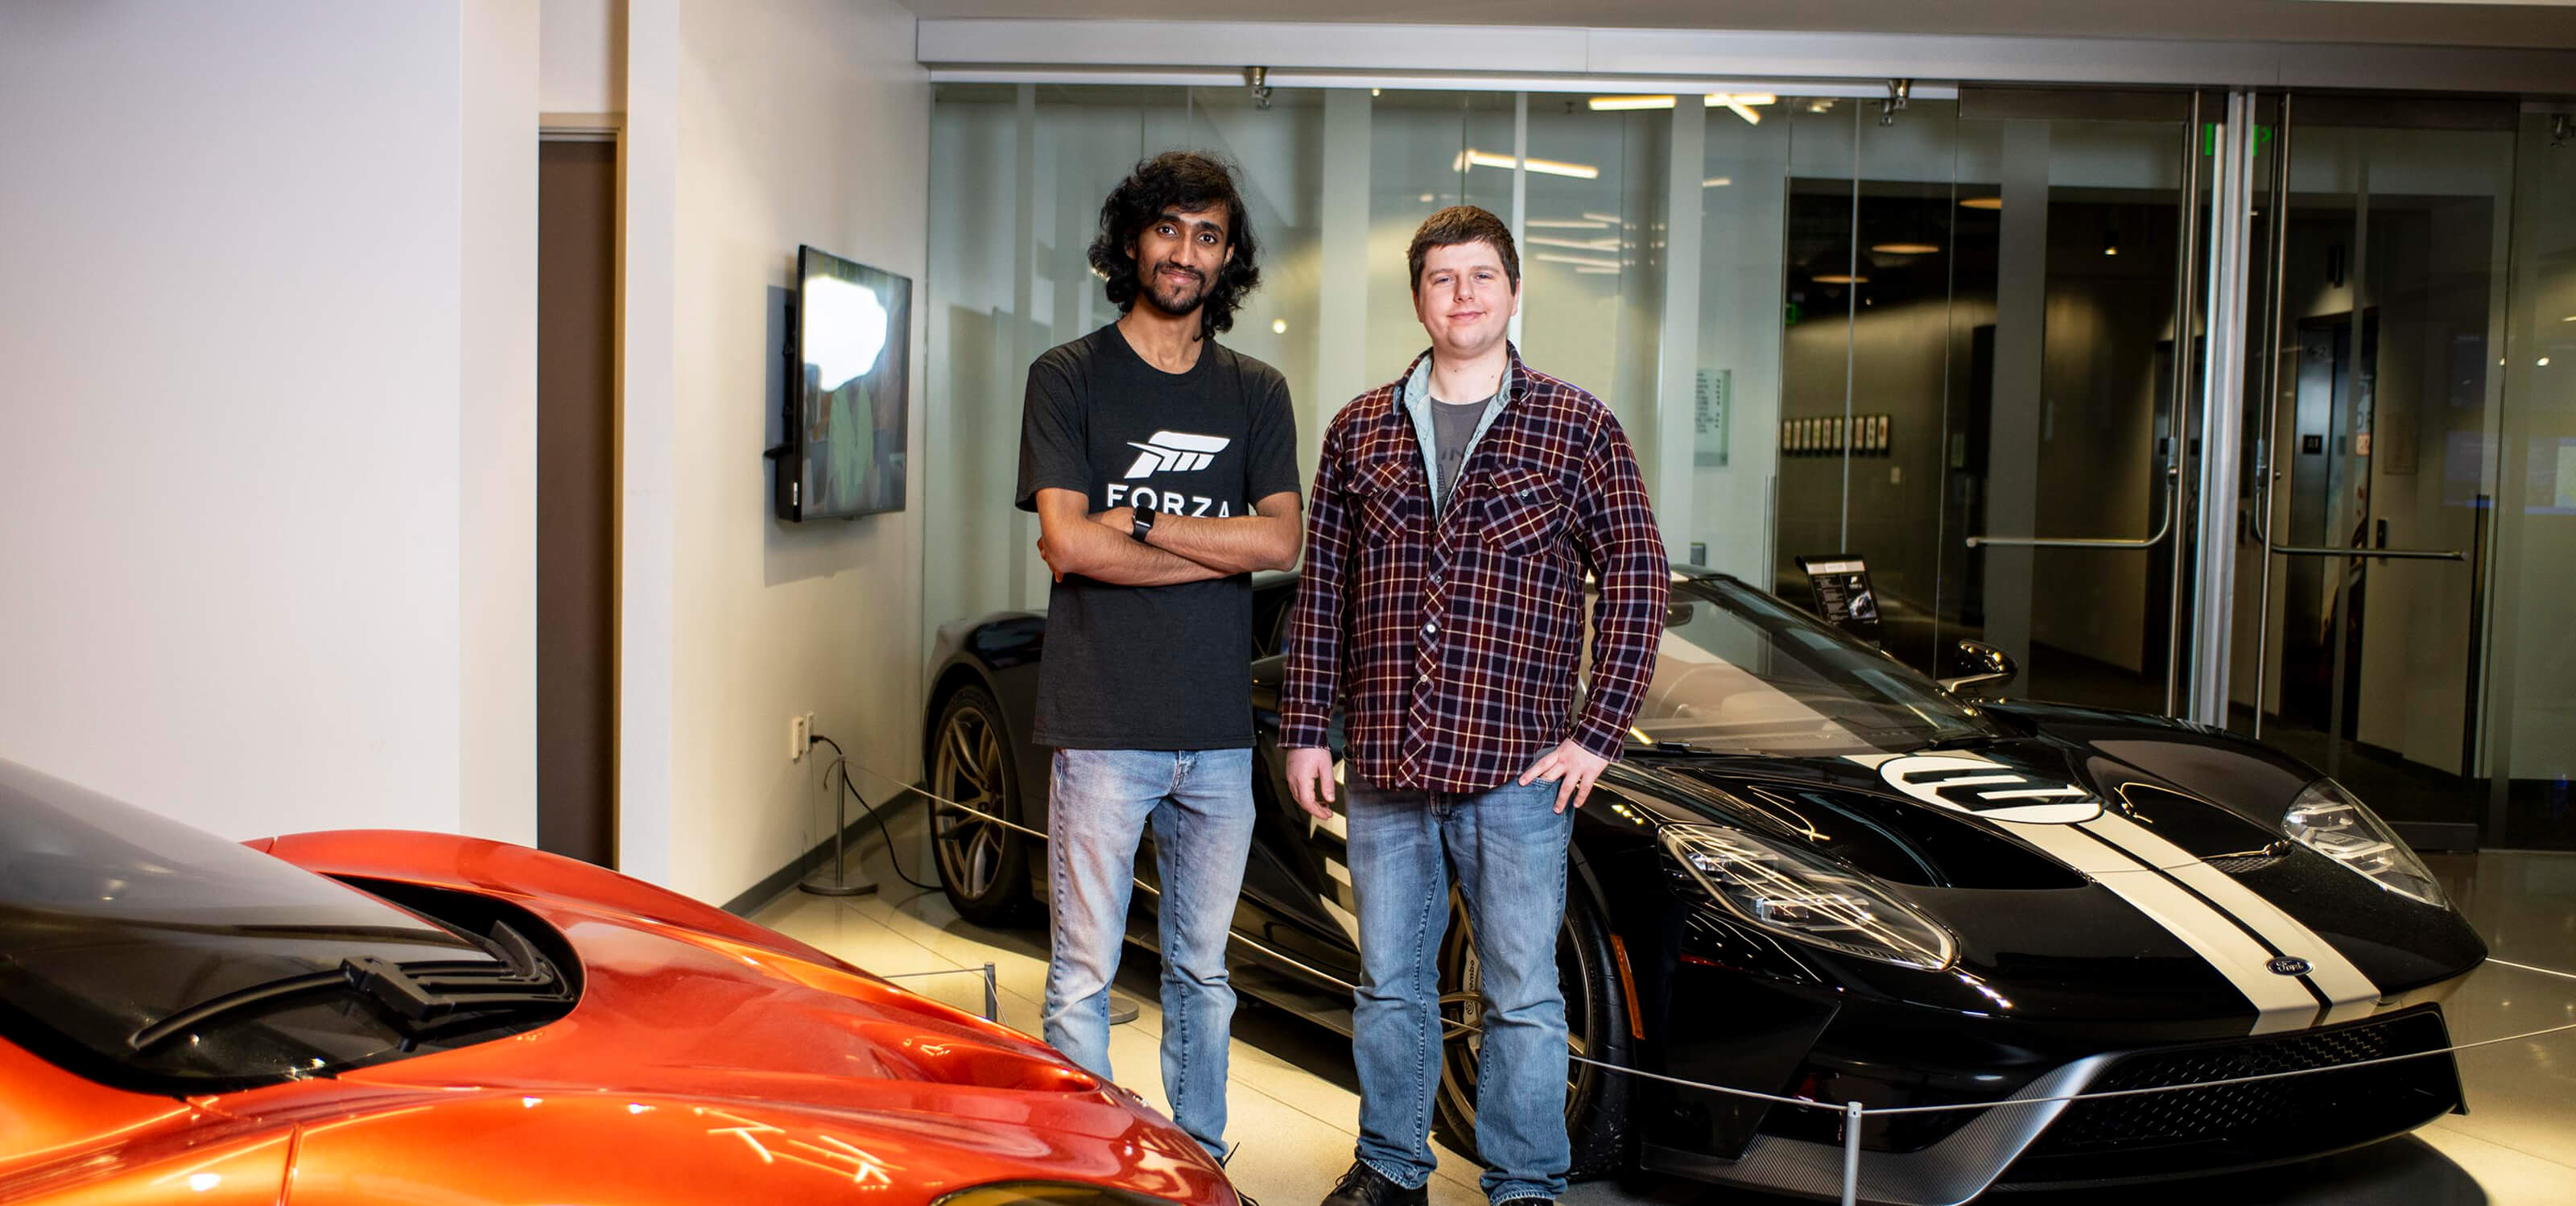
(1163,469)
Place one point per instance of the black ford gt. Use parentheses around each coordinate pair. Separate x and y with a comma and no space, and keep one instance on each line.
(1817,873)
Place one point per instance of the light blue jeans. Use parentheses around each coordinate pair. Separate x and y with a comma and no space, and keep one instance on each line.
(1200,804)
(1507,845)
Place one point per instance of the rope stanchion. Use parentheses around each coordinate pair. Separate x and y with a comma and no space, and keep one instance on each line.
(1855,1113)
(1852,1114)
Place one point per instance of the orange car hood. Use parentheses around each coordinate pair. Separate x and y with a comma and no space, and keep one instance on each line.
(707,1059)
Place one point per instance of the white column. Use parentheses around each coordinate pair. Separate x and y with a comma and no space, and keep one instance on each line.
(1669,479)
(1029,576)
(647,531)
(2222,420)
(2012,448)
(1341,293)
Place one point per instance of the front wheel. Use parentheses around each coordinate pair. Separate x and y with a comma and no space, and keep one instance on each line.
(983,865)
(1596,1024)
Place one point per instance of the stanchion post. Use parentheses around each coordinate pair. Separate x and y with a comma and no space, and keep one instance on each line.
(992,996)
(1851,1152)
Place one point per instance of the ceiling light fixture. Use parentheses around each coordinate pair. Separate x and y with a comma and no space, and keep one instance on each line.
(1905,248)
(1588,271)
(1611,244)
(1579,261)
(1278,326)
(2110,242)
(1622,104)
(1840,278)
(1717,182)
(1743,103)
(1982,203)
(1473,158)
(1609,219)
(1566,224)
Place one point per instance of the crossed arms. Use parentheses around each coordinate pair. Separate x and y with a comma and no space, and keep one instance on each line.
(1182,548)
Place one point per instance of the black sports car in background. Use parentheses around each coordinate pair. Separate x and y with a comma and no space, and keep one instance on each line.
(1818,873)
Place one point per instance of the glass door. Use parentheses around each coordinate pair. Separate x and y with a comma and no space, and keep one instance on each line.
(2069,344)
(2371,424)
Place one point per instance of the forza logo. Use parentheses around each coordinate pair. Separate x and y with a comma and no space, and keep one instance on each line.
(1989,789)
(1174,452)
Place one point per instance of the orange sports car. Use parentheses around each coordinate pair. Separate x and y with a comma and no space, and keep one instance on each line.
(382,1017)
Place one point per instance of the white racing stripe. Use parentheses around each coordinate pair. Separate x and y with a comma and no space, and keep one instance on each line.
(2281,1003)
(2350,993)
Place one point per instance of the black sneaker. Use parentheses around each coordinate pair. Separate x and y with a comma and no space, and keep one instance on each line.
(1366,1186)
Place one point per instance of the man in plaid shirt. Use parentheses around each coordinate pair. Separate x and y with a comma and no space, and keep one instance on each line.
(1456,514)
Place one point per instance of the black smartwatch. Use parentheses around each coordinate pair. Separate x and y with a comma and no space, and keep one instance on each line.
(1143,524)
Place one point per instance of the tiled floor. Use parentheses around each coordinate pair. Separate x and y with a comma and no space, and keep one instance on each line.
(1293,1101)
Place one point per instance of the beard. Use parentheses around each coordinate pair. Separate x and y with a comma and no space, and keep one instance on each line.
(1175,299)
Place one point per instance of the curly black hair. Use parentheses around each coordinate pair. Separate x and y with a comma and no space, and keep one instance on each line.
(1183,181)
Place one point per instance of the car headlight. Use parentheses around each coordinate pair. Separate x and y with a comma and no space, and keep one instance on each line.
(1047,1193)
(2327,819)
(1800,894)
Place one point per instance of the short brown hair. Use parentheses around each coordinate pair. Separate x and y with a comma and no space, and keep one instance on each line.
(1463,224)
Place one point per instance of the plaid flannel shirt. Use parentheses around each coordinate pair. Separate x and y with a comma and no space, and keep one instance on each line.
(1456,636)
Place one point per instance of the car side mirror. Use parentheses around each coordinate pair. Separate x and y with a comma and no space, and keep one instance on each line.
(1979,662)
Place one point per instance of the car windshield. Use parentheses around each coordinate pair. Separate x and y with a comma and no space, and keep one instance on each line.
(114,919)
(1742,672)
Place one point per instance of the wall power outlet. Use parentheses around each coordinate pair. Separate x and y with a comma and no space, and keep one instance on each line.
(800,735)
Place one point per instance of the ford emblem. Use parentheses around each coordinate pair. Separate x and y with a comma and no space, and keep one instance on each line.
(2289,965)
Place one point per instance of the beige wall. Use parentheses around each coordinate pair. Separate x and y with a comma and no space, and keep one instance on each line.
(268,386)
(798,121)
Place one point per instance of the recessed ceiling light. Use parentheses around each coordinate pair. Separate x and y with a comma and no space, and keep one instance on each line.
(1612,219)
(1579,261)
(1428,198)
(1838,278)
(1278,326)
(1717,182)
(1983,203)
(1566,224)
(1617,104)
(1905,248)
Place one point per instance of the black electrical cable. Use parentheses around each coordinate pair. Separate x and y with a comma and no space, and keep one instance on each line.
(870,809)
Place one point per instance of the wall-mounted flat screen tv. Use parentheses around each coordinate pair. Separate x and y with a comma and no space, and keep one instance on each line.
(849,375)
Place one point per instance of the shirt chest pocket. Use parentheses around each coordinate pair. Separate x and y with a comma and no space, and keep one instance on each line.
(1381,494)
(1526,510)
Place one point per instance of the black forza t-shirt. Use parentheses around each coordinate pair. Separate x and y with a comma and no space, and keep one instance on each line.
(1152,667)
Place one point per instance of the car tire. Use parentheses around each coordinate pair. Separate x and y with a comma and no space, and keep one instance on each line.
(1596,1017)
(983,866)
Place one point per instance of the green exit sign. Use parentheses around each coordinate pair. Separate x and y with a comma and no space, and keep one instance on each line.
(2209,137)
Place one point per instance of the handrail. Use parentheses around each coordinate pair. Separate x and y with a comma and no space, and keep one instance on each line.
(2287,550)
(2039,542)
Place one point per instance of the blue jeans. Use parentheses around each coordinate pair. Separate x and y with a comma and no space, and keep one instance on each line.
(1507,845)
(1200,803)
